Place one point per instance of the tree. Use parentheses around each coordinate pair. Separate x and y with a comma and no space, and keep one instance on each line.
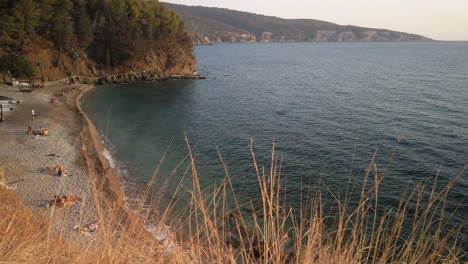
(46,15)
(7,29)
(26,16)
(82,24)
(63,25)
(64,36)
(16,65)
(111,31)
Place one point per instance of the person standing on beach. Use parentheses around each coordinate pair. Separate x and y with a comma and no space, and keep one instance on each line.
(33,113)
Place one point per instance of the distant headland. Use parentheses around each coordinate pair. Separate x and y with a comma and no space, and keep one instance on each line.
(209,25)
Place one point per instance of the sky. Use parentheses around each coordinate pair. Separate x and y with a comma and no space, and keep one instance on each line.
(436,19)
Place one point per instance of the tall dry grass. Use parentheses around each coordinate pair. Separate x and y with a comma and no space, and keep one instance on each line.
(209,229)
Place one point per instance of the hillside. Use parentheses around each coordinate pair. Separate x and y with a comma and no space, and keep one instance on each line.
(215,25)
(54,39)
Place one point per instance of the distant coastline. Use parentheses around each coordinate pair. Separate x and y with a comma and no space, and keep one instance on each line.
(208,25)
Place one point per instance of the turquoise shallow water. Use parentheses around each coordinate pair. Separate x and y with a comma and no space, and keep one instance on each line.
(328,107)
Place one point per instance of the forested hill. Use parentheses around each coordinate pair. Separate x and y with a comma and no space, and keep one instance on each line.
(224,25)
(92,37)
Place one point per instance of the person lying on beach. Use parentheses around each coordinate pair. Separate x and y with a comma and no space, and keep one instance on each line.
(59,201)
(62,171)
(53,100)
(64,201)
(87,229)
(50,170)
(43,132)
(57,170)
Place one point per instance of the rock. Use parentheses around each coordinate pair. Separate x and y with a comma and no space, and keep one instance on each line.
(5,77)
(162,233)
(142,76)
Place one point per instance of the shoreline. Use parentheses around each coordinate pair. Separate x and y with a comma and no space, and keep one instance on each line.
(103,174)
(73,139)
(93,150)
(99,186)
(102,180)
(100,169)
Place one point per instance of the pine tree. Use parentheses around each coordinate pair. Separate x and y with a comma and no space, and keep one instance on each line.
(112,31)
(82,24)
(26,16)
(46,15)
(7,29)
(63,25)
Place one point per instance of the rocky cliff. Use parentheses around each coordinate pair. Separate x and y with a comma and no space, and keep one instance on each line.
(51,64)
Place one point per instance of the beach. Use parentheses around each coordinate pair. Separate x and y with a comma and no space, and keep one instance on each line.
(221,234)
(25,157)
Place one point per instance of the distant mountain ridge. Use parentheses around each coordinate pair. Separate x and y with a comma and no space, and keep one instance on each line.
(216,25)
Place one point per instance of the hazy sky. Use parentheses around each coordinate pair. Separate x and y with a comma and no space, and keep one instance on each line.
(437,19)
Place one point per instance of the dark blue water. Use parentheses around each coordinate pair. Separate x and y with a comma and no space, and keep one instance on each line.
(328,108)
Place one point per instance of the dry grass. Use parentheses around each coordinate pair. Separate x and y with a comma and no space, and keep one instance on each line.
(213,232)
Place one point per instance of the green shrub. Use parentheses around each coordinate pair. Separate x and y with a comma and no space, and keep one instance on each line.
(18,66)
(74,54)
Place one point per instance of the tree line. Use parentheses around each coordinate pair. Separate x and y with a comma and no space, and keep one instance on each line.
(110,31)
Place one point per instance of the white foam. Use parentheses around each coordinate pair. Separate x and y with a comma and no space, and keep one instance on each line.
(135,204)
(109,157)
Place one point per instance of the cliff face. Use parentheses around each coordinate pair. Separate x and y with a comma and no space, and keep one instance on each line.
(51,64)
(216,25)
(320,36)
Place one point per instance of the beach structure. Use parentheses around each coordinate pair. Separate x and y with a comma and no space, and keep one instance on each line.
(4,108)
(25,87)
(4,101)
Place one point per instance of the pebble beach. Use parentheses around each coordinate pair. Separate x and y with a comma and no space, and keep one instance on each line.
(24,157)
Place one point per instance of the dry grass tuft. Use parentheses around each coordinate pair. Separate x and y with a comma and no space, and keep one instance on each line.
(213,232)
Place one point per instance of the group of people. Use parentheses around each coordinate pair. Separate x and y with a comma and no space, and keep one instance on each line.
(60,201)
(42,131)
(57,170)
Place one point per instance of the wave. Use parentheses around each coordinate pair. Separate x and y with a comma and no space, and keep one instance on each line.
(130,189)
(109,157)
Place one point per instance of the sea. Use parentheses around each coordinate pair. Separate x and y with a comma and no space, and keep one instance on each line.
(329,110)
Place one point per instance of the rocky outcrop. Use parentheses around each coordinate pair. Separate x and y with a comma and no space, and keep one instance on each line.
(5,77)
(132,77)
(266,37)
